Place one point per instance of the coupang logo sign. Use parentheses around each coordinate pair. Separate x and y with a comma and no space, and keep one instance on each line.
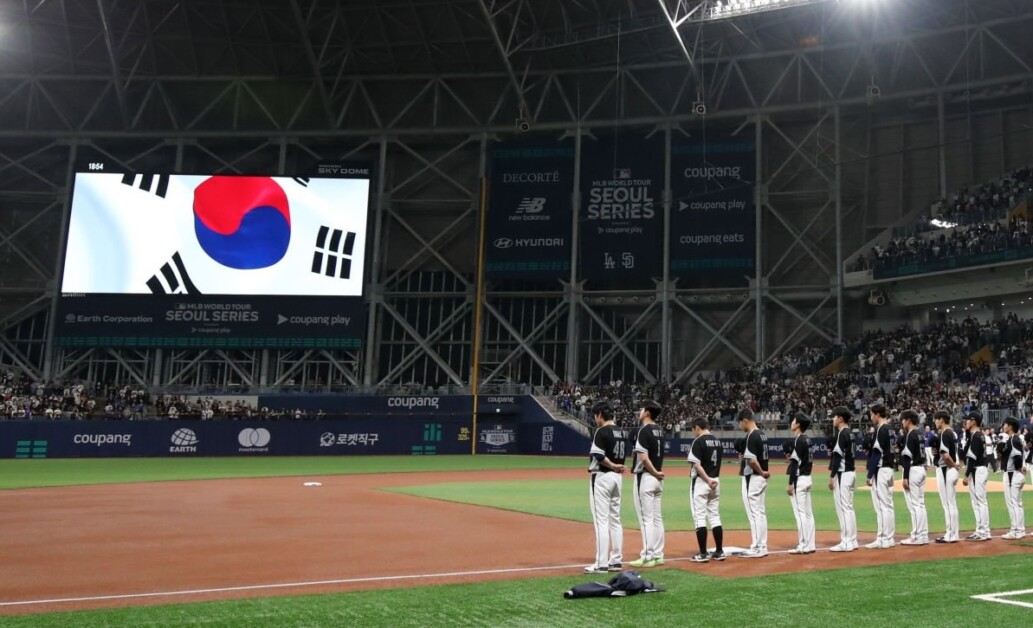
(242,222)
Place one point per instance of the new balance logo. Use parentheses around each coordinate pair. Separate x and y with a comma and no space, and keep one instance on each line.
(333,252)
(159,184)
(172,279)
(531,205)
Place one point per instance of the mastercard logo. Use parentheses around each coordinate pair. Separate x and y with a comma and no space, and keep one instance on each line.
(242,222)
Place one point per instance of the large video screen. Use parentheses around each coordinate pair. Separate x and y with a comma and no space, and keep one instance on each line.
(185,260)
(218,235)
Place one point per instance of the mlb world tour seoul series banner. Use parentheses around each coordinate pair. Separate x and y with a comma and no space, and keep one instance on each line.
(529,210)
(199,260)
(713,215)
(621,218)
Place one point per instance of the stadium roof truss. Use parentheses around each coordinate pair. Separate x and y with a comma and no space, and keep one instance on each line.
(423,88)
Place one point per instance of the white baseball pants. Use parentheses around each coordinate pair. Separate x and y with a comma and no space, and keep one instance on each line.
(977,495)
(605,502)
(648,491)
(915,499)
(704,503)
(882,499)
(1013,483)
(754,491)
(843,493)
(947,487)
(804,513)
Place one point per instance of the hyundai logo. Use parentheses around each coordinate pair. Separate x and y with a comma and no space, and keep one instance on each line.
(503,243)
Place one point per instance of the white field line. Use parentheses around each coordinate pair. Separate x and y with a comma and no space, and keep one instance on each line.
(298,585)
(401,578)
(286,585)
(999,597)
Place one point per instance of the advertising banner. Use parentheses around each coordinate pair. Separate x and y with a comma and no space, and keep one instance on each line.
(713,214)
(497,437)
(355,424)
(528,231)
(119,320)
(107,439)
(621,214)
(407,405)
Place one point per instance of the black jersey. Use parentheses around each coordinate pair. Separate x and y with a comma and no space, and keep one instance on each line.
(912,452)
(650,441)
(884,445)
(842,452)
(707,451)
(975,452)
(1029,445)
(610,442)
(1013,453)
(800,462)
(948,445)
(756,449)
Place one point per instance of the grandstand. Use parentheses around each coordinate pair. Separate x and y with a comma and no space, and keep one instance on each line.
(928,223)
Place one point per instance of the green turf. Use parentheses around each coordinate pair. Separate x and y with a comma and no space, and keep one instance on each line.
(568,499)
(78,471)
(920,594)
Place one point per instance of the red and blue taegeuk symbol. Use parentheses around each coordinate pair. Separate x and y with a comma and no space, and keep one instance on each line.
(242,222)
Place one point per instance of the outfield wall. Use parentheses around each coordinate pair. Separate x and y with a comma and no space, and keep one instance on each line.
(355,425)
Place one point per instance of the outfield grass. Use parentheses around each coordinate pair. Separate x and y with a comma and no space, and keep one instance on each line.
(568,499)
(917,594)
(80,471)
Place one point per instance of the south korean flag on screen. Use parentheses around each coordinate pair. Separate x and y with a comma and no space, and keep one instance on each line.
(218,235)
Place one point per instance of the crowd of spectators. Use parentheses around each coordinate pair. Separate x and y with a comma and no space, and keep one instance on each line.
(972,221)
(209,408)
(25,397)
(926,370)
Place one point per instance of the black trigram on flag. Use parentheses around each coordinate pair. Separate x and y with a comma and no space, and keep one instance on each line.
(333,253)
(302,181)
(146,182)
(172,279)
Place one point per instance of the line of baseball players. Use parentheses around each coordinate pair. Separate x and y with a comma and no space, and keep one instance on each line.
(607,457)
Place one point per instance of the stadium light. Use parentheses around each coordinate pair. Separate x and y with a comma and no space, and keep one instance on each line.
(711,10)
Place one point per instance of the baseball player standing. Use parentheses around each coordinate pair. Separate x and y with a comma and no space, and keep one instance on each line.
(1014,479)
(947,476)
(649,485)
(705,489)
(977,475)
(755,484)
(800,485)
(881,464)
(913,461)
(841,480)
(606,464)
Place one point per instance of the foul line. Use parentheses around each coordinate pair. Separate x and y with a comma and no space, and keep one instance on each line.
(287,585)
(999,597)
(350,581)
